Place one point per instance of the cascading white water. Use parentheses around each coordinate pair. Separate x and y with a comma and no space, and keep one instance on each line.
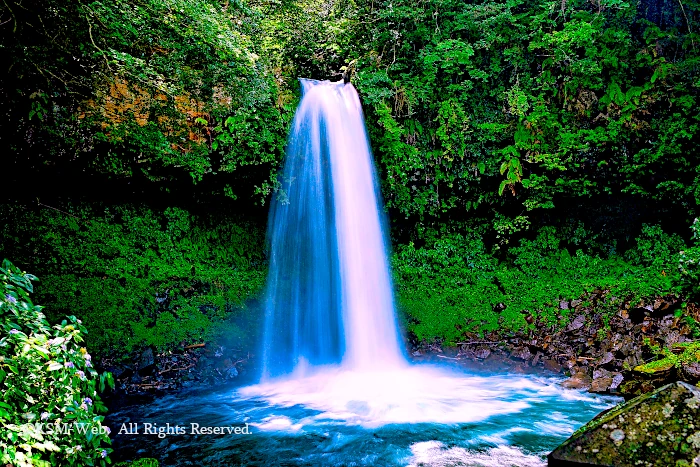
(329,297)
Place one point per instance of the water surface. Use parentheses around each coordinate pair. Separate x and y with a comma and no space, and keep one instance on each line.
(421,416)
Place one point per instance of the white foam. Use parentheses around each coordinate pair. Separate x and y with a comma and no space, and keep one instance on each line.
(417,394)
(277,423)
(436,454)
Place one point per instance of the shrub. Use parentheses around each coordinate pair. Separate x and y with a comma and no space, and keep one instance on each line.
(49,405)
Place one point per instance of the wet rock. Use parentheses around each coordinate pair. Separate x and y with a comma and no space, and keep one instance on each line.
(602,380)
(482,354)
(654,429)
(601,384)
(231,372)
(579,380)
(552,365)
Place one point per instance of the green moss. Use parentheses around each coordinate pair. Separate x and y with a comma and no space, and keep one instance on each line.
(674,356)
(137,276)
(452,285)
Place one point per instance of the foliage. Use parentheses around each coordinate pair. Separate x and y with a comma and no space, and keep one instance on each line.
(49,405)
(452,285)
(155,89)
(144,462)
(136,276)
(689,264)
(675,356)
(519,107)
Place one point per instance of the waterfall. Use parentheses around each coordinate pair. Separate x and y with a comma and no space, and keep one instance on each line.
(329,298)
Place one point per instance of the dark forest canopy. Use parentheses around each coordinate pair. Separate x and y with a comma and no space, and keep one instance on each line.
(513,111)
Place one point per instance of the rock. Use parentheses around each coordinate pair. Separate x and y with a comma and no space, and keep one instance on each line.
(655,429)
(691,370)
(632,360)
(147,362)
(575,303)
(601,384)
(521,353)
(563,305)
(552,365)
(537,358)
(482,354)
(120,371)
(231,372)
(607,357)
(616,381)
(417,353)
(579,380)
(577,323)
(602,380)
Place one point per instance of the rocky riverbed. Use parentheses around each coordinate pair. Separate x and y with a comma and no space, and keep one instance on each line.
(603,352)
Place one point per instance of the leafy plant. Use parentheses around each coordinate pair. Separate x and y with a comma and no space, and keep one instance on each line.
(50,404)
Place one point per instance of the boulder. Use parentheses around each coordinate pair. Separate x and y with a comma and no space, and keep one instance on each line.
(656,429)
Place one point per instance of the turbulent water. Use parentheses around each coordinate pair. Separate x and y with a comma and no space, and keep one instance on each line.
(336,390)
(446,418)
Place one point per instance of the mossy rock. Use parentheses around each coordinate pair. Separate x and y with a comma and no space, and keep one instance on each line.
(658,429)
(145,462)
